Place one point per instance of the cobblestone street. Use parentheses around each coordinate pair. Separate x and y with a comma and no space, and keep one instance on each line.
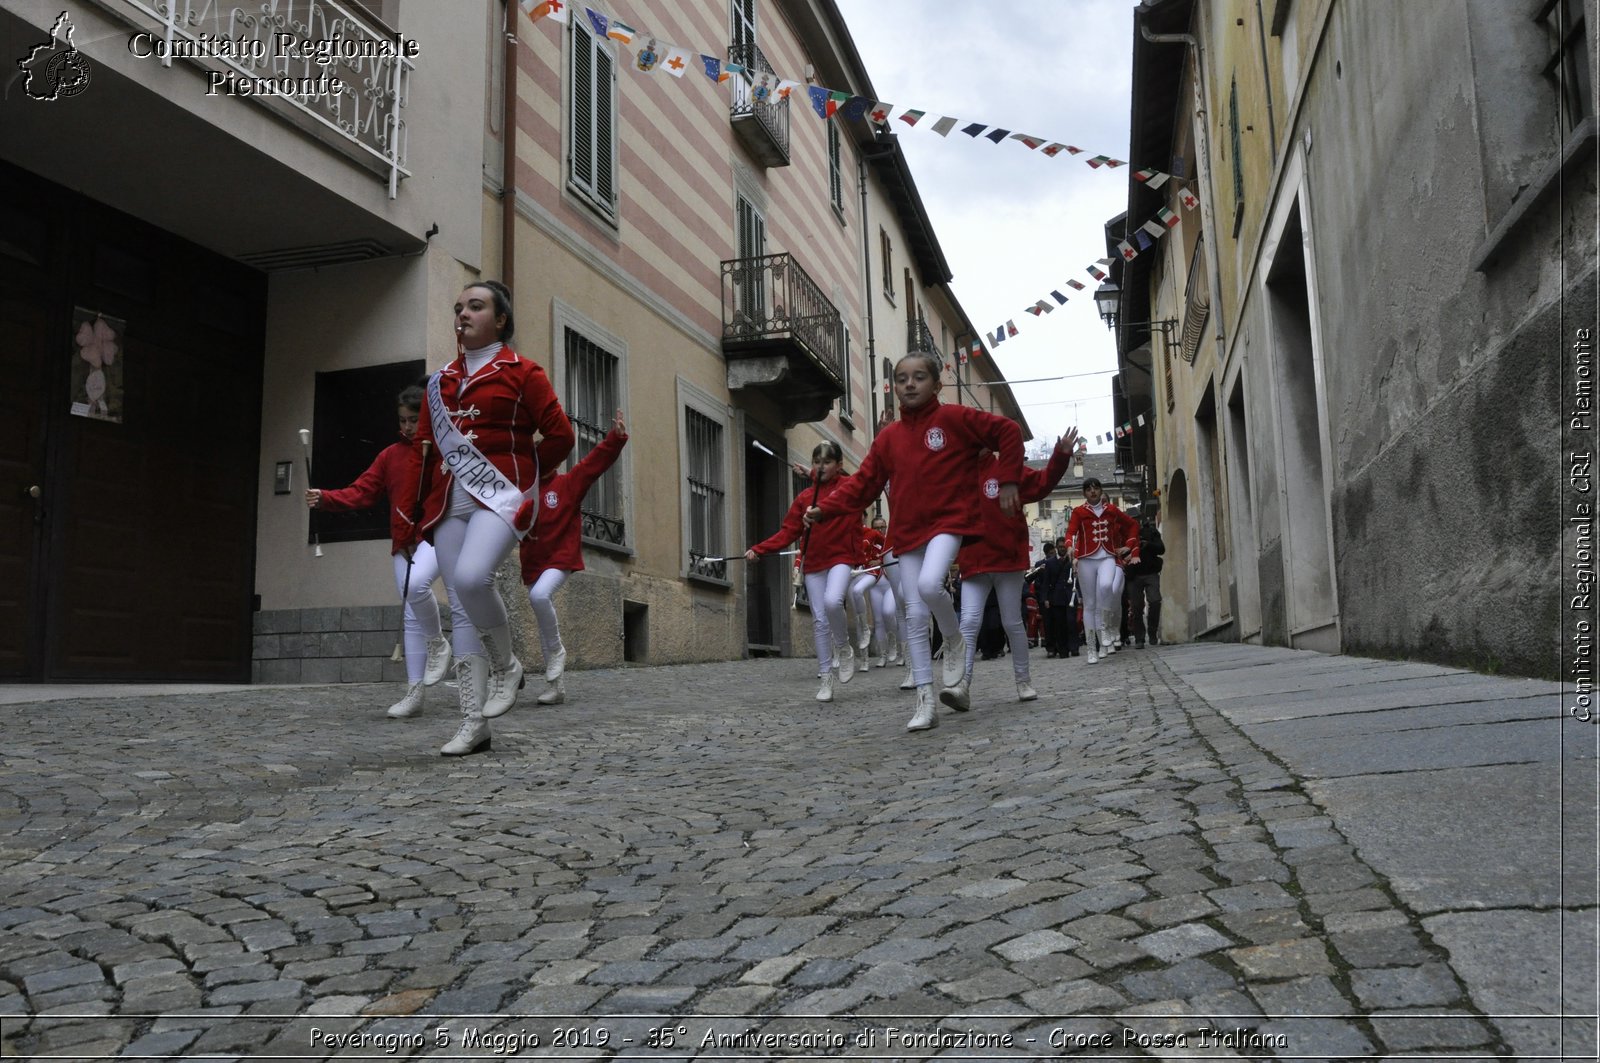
(704,862)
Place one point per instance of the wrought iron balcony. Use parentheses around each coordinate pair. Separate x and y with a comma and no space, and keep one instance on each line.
(759,117)
(918,338)
(781,336)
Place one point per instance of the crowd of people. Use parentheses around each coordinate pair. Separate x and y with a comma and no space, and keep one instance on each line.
(476,473)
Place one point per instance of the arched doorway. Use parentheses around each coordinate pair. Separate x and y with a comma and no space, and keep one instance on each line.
(1176,577)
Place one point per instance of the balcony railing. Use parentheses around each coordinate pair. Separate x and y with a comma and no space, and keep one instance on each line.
(325,67)
(918,338)
(771,299)
(759,104)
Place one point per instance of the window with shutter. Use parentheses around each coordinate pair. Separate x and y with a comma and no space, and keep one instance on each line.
(591,151)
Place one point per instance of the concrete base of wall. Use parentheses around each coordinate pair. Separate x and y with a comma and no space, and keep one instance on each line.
(350,645)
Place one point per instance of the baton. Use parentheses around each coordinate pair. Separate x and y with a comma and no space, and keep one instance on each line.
(741,557)
(316,541)
(416,518)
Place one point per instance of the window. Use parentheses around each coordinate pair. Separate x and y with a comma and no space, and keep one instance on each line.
(591,401)
(353,420)
(1569,65)
(846,401)
(887,252)
(1238,161)
(707,485)
(835,171)
(592,131)
(751,278)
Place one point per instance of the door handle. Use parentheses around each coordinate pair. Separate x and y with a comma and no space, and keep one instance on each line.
(34,492)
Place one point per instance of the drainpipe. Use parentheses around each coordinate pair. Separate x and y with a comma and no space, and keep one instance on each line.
(508,143)
(866,279)
(1203,138)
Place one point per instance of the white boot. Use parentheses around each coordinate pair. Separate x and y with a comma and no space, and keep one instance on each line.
(863,660)
(845,657)
(909,682)
(1108,642)
(1091,649)
(1025,691)
(925,717)
(555,694)
(409,705)
(472,680)
(958,697)
(438,661)
(556,665)
(886,651)
(825,686)
(503,682)
(955,659)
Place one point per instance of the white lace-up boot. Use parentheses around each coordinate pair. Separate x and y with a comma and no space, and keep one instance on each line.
(845,657)
(555,693)
(556,666)
(955,659)
(438,661)
(958,697)
(925,717)
(409,705)
(909,682)
(825,686)
(1091,645)
(505,681)
(472,680)
(1108,642)
(1025,691)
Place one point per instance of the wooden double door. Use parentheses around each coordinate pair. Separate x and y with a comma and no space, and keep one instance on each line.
(130,400)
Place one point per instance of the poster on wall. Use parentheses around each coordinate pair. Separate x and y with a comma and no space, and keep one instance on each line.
(97,367)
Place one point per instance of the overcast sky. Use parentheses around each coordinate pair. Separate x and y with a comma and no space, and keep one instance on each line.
(1013,223)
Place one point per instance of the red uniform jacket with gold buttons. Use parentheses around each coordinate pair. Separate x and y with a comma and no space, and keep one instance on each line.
(1110,530)
(1005,546)
(510,413)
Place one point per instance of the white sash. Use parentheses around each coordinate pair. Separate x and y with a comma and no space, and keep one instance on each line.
(476,473)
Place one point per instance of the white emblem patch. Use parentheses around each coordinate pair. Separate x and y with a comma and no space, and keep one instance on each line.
(934,439)
(551,500)
(991,488)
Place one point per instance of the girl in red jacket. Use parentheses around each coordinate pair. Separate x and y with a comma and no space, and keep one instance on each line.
(829,553)
(554,550)
(427,650)
(862,585)
(932,453)
(998,562)
(492,422)
(1103,540)
(878,562)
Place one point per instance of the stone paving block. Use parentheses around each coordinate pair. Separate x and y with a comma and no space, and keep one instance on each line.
(1404,987)
(1182,942)
(1309,995)
(1382,947)
(1430,1030)
(1036,945)
(1283,959)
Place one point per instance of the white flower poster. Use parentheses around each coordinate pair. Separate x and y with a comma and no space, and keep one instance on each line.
(97,368)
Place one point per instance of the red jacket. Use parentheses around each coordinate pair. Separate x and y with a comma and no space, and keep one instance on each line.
(501,408)
(933,455)
(1113,528)
(835,542)
(557,537)
(873,544)
(1005,546)
(383,482)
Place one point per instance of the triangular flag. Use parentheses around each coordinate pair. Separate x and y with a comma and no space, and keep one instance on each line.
(1060,299)
(1188,199)
(713,67)
(554,10)
(1140,420)
(620,32)
(1077,284)
(1145,243)
(677,60)
(836,100)
(1097,274)
(879,113)
(1169,218)
(762,88)
(1154,229)
(1028,139)
(1153,178)
(785,87)
(997,135)
(820,101)
(910,117)
(999,337)
(1127,250)
(1098,440)
(1072,150)
(597,20)
(977,348)
(648,56)
(944,125)
(961,357)
(1011,328)
(974,129)
(1098,161)
(1104,261)
(1042,307)
(1053,150)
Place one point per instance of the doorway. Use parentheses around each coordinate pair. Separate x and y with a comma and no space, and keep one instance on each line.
(766,582)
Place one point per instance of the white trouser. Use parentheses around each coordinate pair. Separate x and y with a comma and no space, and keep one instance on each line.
(470,550)
(825,590)
(922,573)
(541,595)
(1100,584)
(885,611)
(891,569)
(422,609)
(975,595)
(859,589)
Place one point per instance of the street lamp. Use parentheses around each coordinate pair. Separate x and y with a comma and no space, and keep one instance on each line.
(1108,299)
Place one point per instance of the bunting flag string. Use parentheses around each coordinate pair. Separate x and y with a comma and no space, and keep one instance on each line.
(827,103)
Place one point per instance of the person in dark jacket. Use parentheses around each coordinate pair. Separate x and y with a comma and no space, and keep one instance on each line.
(1057,597)
(1144,585)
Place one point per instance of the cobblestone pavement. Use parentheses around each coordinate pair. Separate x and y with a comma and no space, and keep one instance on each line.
(682,854)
